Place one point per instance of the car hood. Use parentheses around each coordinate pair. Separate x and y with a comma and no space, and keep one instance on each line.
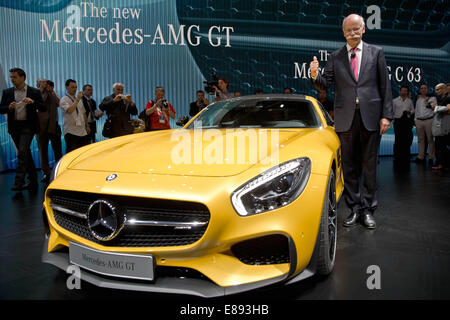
(183,152)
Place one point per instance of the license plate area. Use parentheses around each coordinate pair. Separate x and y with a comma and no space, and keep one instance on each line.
(122,265)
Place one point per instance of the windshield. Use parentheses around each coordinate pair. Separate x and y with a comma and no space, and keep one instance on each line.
(258,113)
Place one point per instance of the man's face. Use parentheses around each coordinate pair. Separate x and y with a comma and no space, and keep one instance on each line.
(159,94)
(16,79)
(118,90)
(353,30)
(403,92)
(200,96)
(72,88)
(441,90)
(423,90)
(41,84)
(322,95)
(222,85)
(88,91)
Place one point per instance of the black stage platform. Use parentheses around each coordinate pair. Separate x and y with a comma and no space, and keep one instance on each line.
(411,246)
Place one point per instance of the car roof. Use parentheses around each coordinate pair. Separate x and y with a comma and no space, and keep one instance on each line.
(271,96)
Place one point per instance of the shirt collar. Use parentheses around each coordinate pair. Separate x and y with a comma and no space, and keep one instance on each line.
(23,89)
(359,46)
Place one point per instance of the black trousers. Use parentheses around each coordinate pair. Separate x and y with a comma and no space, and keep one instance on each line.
(74,142)
(359,162)
(91,135)
(22,137)
(442,153)
(403,138)
(55,139)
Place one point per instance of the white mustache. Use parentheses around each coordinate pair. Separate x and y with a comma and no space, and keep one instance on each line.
(356,36)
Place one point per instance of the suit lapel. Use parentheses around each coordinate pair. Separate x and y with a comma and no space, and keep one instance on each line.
(29,92)
(364,60)
(344,57)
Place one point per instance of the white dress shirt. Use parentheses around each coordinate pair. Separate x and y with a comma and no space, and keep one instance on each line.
(73,122)
(401,106)
(422,112)
(20,110)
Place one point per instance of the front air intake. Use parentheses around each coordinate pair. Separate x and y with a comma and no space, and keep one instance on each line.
(272,249)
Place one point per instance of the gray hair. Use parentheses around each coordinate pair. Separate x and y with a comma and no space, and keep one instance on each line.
(118,84)
(361,19)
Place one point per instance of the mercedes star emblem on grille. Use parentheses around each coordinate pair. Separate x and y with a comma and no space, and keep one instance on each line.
(111,177)
(105,220)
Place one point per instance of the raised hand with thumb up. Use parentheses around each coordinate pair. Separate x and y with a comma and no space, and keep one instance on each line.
(314,67)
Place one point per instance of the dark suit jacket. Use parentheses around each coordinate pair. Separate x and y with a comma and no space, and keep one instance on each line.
(119,112)
(31,109)
(373,87)
(48,120)
(88,110)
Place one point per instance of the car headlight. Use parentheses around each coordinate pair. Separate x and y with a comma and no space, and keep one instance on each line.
(54,172)
(272,189)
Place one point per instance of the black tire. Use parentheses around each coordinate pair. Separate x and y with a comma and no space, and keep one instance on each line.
(328,230)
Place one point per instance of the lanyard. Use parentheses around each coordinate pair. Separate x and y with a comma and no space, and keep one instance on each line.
(73,101)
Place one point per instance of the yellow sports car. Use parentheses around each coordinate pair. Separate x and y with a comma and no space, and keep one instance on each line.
(243,196)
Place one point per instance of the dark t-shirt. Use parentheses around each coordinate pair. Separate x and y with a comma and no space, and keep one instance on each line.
(328,105)
(194,108)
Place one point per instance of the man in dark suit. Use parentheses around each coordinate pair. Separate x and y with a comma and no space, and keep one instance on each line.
(92,113)
(119,108)
(21,103)
(362,113)
(50,131)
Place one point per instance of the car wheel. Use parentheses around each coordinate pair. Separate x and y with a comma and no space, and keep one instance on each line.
(328,230)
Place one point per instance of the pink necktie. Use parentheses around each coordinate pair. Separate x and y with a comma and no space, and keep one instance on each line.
(354,63)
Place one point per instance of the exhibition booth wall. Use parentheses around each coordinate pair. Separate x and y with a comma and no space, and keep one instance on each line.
(256,44)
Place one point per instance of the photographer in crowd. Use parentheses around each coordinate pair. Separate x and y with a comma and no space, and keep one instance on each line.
(51,90)
(327,104)
(222,90)
(198,105)
(441,126)
(403,124)
(119,108)
(423,120)
(50,131)
(92,112)
(157,112)
(75,127)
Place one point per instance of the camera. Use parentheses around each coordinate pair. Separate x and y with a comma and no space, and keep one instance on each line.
(209,84)
(164,103)
(182,121)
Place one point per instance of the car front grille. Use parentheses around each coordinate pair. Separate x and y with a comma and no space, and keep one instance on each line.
(145,208)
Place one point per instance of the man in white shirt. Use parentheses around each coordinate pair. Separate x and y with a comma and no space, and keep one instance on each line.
(76,126)
(423,120)
(403,122)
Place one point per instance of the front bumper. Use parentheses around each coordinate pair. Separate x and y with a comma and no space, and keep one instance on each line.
(167,284)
